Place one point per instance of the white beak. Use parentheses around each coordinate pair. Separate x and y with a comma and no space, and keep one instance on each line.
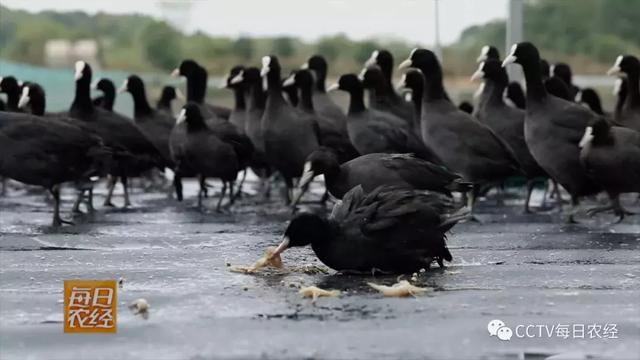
(509,60)
(79,67)
(370,62)
(94,85)
(289,81)
(24,99)
(175,72)
(238,78)
(405,64)
(587,137)
(361,75)
(333,87)
(615,70)
(264,71)
(481,58)
(124,87)
(282,247)
(182,116)
(304,66)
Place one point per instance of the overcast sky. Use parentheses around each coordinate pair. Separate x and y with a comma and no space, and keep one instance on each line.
(412,20)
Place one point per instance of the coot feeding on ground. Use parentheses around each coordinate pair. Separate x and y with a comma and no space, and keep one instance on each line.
(387,230)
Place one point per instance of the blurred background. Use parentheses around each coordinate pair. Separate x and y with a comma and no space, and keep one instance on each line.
(40,40)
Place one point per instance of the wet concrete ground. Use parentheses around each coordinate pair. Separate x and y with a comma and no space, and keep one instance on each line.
(521,269)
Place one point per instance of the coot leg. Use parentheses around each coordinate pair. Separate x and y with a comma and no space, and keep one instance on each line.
(238,194)
(232,195)
(76,204)
(614,205)
(203,190)
(500,193)
(289,193)
(90,201)
(224,191)
(177,185)
(57,220)
(111,184)
(555,193)
(325,197)
(530,184)
(471,201)
(574,208)
(124,182)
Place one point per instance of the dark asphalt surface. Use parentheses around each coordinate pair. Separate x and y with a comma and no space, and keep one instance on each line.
(521,269)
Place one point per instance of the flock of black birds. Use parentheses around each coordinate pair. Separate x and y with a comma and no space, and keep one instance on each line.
(393,160)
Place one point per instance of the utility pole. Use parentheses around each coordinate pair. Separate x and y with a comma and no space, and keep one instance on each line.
(514,35)
(437,47)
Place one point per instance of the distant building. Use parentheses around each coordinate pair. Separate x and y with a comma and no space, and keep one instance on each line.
(177,13)
(64,52)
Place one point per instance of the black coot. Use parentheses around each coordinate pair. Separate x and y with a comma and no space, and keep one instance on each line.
(10,86)
(250,79)
(155,125)
(620,91)
(373,131)
(553,128)
(33,97)
(108,97)
(553,84)
(216,117)
(134,153)
(388,230)
(514,91)
(323,103)
(167,96)
(465,145)
(629,67)
(383,98)
(611,155)
(204,152)
(47,153)
(238,116)
(290,90)
(373,170)
(197,78)
(383,59)
(288,138)
(507,122)
(329,134)
(590,97)
(563,71)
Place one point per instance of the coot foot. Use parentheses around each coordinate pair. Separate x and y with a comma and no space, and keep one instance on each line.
(57,221)
(222,194)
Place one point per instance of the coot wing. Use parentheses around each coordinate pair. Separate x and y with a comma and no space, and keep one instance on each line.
(414,170)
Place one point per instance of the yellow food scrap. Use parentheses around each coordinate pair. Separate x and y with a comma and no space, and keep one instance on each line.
(402,288)
(140,307)
(268,259)
(315,292)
